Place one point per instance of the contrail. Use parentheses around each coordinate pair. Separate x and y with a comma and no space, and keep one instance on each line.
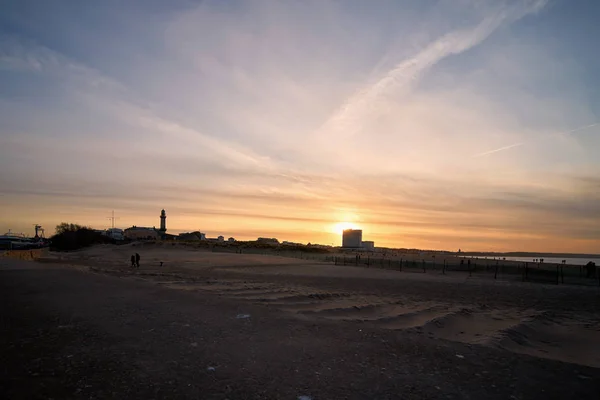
(359,106)
(485,153)
(578,129)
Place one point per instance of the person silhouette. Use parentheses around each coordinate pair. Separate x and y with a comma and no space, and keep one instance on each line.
(133,261)
(137,260)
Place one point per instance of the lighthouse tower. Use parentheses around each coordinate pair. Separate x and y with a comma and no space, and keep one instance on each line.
(163,224)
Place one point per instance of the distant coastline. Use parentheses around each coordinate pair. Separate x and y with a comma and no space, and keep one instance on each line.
(528,255)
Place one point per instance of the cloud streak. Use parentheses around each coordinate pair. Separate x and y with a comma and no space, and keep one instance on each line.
(347,120)
(109,94)
(288,118)
(566,133)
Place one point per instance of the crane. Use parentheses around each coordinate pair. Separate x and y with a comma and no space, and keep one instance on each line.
(39,232)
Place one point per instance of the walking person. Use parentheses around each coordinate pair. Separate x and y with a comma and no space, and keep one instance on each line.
(132,261)
(137,260)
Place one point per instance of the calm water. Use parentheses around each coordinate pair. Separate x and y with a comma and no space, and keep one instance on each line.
(551,260)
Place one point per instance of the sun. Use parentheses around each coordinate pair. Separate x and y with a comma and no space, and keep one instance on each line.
(340,227)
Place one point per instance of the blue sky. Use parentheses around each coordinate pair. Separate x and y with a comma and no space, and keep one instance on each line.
(438,124)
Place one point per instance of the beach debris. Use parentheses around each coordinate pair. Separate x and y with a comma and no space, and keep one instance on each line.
(304,398)
(242,316)
(211,369)
(460,356)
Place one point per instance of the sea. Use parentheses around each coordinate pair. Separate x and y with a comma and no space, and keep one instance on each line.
(553,260)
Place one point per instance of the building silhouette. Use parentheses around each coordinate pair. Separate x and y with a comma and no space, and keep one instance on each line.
(145,233)
(352,238)
(368,245)
(162,232)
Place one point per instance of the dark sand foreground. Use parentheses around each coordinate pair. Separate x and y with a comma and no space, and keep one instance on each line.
(210,325)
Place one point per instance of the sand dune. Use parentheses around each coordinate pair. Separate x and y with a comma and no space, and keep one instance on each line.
(521,331)
(471,325)
(558,338)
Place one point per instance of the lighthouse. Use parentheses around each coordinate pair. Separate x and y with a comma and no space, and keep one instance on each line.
(163,224)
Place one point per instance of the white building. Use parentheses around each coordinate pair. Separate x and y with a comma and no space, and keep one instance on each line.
(220,239)
(114,233)
(352,238)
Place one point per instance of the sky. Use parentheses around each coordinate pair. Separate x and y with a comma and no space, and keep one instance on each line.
(445,124)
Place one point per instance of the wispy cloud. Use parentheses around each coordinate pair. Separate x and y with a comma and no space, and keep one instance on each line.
(348,119)
(110,95)
(286,118)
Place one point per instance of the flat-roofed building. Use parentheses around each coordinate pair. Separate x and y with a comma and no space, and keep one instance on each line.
(368,245)
(140,233)
(352,238)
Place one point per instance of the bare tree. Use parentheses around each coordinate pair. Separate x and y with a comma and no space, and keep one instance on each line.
(67,227)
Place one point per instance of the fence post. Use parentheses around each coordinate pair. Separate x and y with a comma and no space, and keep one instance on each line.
(424,266)
(400,265)
(496,273)
(444,268)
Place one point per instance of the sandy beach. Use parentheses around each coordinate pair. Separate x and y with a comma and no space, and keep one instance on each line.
(545,321)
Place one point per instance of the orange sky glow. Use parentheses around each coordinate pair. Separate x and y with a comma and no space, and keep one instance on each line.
(446,127)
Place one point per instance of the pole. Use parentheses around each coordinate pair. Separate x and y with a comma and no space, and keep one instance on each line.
(112,219)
